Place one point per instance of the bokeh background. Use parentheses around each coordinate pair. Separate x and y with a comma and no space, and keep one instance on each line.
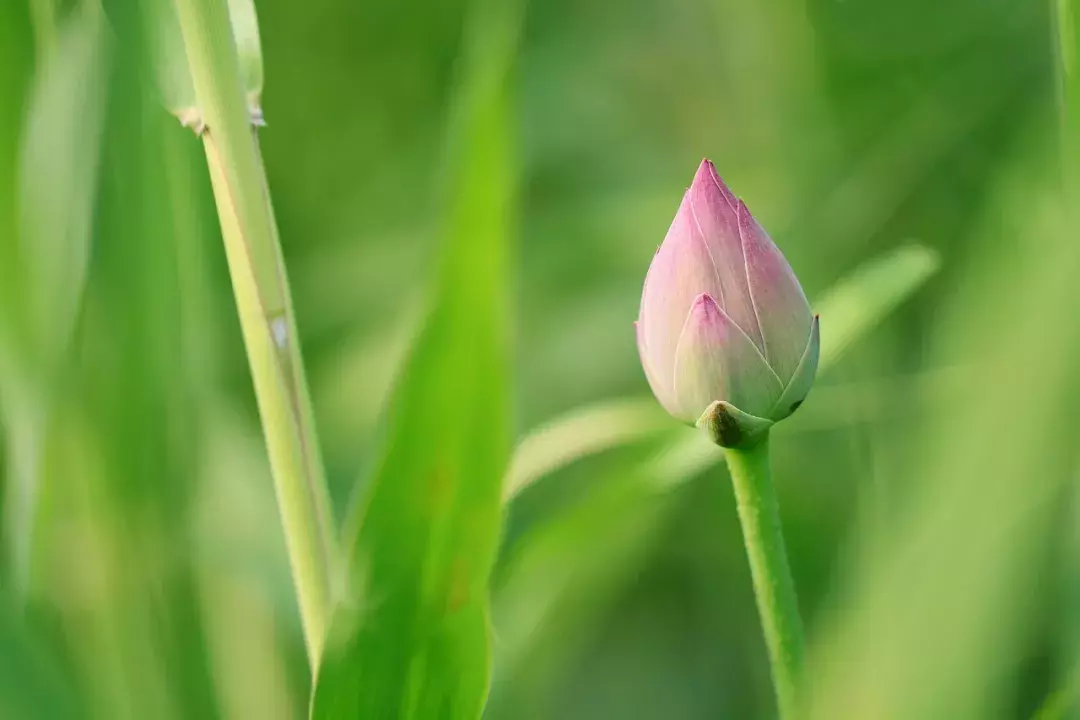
(927,486)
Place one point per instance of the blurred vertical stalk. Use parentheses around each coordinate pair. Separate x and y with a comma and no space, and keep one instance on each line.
(1068,38)
(43,13)
(25,447)
(759,515)
(45,263)
(265,308)
(1066,701)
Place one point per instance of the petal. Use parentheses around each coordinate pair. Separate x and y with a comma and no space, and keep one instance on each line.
(707,167)
(680,271)
(717,361)
(715,214)
(661,387)
(803,379)
(781,307)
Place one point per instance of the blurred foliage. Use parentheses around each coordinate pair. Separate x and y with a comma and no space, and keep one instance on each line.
(411,638)
(927,487)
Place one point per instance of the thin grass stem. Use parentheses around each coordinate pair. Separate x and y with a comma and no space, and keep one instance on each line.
(265,308)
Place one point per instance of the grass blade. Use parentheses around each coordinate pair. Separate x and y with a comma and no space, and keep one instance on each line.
(412,639)
(862,300)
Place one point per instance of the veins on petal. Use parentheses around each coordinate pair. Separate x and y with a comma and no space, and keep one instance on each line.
(708,250)
(795,374)
(735,326)
(675,365)
(719,186)
(743,210)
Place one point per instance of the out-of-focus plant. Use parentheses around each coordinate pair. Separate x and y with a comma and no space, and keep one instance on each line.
(45,265)
(411,637)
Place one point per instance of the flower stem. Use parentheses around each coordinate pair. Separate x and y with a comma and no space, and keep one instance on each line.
(773,586)
(264,305)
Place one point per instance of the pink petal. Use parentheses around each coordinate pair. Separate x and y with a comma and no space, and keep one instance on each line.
(803,379)
(781,307)
(661,386)
(717,361)
(680,271)
(715,214)
(707,167)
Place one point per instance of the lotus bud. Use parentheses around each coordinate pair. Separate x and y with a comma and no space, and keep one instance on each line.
(726,336)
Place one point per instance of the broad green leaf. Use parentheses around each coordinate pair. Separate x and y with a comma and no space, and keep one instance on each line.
(171,63)
(410,637)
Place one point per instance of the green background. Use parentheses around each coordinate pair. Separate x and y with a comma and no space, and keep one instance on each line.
(927,486)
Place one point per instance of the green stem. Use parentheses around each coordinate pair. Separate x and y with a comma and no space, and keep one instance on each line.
(264,305)
(773,586)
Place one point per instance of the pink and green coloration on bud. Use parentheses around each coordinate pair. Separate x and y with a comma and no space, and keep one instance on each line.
(726,336)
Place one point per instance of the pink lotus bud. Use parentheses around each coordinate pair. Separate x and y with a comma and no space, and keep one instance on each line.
(726,336)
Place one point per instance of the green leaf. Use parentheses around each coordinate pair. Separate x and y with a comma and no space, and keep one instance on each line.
(410,639)
(583,431)
(862,300)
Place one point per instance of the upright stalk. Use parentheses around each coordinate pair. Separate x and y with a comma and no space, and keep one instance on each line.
(774,589)
(264,305)
(1067,25)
